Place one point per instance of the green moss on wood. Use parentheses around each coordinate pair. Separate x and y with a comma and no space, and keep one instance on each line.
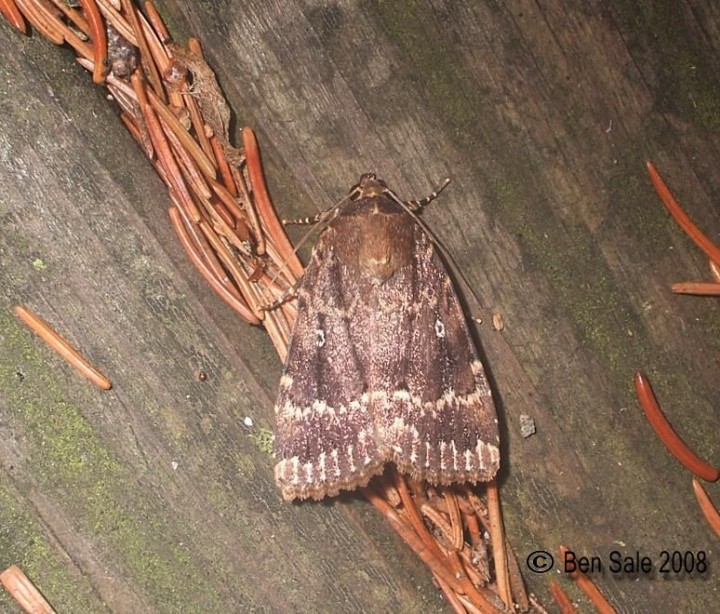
(73,466)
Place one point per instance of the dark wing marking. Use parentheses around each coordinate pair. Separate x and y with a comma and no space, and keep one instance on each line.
(438,416)
(325,435)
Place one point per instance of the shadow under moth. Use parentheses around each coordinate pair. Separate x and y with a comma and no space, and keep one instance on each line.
(381,366)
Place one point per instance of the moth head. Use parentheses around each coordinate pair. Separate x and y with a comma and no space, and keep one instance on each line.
(368,186)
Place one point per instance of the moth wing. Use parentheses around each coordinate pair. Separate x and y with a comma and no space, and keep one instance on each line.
(325,435)
(438,417)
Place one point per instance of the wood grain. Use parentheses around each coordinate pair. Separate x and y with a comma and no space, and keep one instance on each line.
(542,114)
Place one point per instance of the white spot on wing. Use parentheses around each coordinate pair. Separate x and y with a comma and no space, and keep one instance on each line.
(308,472)
(351,459)
(295,470)
(321,463)
(468,460)
(414,447)
(439,329)
(334,456)
(401,395)
(477,367)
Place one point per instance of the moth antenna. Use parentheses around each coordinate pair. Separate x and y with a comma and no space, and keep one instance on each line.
(412,206)
(303,221)
(319,221)
(416,205)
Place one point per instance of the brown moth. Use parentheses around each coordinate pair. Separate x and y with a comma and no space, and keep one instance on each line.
(381,366)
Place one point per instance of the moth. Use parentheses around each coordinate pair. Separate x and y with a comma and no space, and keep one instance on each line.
(381,366)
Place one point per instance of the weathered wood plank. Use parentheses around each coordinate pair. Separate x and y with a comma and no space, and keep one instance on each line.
(153,497)
(542,114)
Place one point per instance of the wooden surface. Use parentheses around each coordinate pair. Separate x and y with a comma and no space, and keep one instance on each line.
(154,497)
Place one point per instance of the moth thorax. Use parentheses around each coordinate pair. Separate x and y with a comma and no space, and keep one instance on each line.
(383,247)
(377,260)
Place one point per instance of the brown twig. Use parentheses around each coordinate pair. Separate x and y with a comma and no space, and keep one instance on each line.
(277,322)
(707,507)
(566,606)
(262,198)
(223,166)
(438,519)
(21,588)
(470,607)
(224,229)
(706,245)
(413,515)
(473,528)
(477,506)
(117,21)
(452,597)
(456,562)
(141,136)
(427,554)
(153,76)
(45,16)
(701,288)
(164,153)
(588,587)
(98,37)
(206,271)
(676,446)
(157,23)
(457,538)
(476,575)
(238,180)
(232,266)
(43,19)
(265,209)
(187,163)
(465,585)
(497,537)
(159,53)
(202,249)
(10,11)
(714,271)
(448,571)
(519,594)
(62,347)
(75,16)
(198,123)
(232,205)
(206,164)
